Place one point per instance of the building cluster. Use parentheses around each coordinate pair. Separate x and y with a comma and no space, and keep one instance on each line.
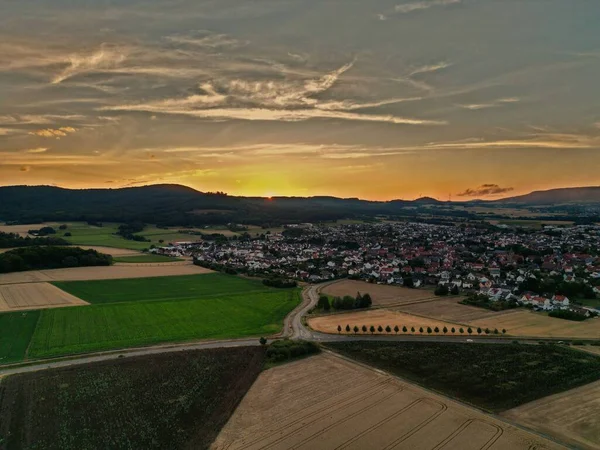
(503,264)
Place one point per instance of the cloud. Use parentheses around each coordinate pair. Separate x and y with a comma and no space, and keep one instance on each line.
(484,190)
(37,150)
(492,104)
(205,39)
(538,140)
(54,132)
(406,8)
(430,68)
(106,57)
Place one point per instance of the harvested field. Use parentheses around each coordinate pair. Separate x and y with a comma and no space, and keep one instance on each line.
(572,416)
(376,317)
(102,273)
(594,349)
(450,310)
(382,295)
(15,297)
(528,323)
(22,230)
(326,402)
(164,401)
(113,251)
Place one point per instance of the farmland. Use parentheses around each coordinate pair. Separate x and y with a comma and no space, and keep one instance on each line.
(326,402)
(138,312)
(376,318)
(16,330)
(176,400)
(572,416)
(102,273)
(145,259)
(518,373)
(381,295)
(34,296)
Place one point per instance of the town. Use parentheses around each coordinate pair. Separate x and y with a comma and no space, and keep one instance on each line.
(499,267)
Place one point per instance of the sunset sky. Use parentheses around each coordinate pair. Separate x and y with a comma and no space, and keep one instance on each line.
(376,99)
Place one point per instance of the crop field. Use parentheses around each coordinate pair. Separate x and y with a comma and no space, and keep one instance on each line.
(16,329)
(102,273)
(381,295)
(15,297)
(145,259)
(126,313)
(500,376)
(176,401)
(377,317)
(572,416)
(450,310)
(326,402)
(528,323)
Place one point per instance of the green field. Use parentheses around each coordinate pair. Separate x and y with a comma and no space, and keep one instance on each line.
(16,329)
(173,401)
(144,311)
(145,259)
(495,377)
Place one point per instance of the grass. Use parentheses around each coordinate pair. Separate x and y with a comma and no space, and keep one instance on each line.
(591,302)
(16,329)
(176,400)
(145,259)
(494,377)
(146,311)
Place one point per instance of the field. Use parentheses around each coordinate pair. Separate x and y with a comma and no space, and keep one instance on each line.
(15,297)
(573,416)
(128,313)
(450,310)
(381,295)
(326,402)
(177,400)
(500,376)
(16,330)
(528,323)
(102,273)
(376,317)
(145,259)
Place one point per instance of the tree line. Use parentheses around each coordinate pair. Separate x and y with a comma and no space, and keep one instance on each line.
(50,257)
(347,302)
(388,329)
(10,240)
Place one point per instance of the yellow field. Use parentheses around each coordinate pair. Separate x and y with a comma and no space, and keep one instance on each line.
(528,323)
(376,317)
(449,310)
(381,295)
(572,416)
(103,273)
(16,297)
(326,402)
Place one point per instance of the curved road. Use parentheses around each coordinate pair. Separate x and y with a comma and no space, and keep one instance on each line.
(293,329)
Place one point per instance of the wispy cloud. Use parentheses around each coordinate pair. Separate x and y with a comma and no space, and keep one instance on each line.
(406,8)
(485,190)
(37,150)
(538,140)
(54,132)
(430,68)
(207,39)
(107,57)
(492,104)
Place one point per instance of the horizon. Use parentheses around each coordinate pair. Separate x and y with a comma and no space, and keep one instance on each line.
(457,99)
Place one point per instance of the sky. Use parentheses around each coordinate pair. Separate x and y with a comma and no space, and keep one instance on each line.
(378,99)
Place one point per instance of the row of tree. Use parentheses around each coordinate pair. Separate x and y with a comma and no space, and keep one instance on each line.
(50,257)
(429,330)
(10,240)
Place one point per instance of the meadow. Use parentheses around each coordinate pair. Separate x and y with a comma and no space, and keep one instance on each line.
(145,259)
(144,311)
(174,400)
(16,329)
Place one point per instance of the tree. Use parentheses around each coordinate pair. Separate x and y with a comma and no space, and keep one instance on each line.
(454,290)
(323,303)
(412,329)
(388,329)
(404,329)
(348,328)
(441,289)
(396,329)
(453,330)
(445,330)
(503,331)
(355,329)
(436,329)
(339,328)
(421,330)
(364,328)
(479,330)
(487,331)
(461,330)
(429,330)
(496,331)
(372,329)
(380,328)
(263,341)
(408,282)
(469,330)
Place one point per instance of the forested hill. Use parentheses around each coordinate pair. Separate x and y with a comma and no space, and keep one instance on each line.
(177,205)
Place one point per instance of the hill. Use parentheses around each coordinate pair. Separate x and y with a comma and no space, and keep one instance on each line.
(553,196)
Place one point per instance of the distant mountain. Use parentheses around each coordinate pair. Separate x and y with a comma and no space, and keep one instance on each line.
(426,201)
(556,196)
